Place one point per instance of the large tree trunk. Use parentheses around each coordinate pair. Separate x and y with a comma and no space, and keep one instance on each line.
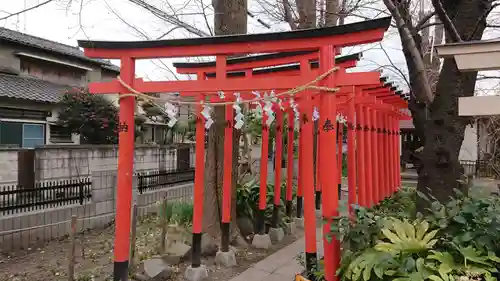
(443,129)
(307,13)
(230,18)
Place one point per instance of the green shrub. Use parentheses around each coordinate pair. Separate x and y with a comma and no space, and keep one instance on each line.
(179,212)
(393,242)
(247,199)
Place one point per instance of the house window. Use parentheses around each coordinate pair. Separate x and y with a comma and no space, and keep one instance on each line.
(11,134)
(20,134)
(59,135)
(33,135)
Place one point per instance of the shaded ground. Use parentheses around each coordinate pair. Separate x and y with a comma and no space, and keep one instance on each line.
(94,260)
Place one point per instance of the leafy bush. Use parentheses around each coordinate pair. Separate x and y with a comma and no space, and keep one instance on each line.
(92,116)
(247,199)
(407,251)
(472,220)
(179,212)
(392,242)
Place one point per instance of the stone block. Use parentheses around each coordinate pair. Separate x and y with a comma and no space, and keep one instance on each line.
(290,228)
(226,259)
(319,214)
(245,225)
(104,194)
(299,222)
(261,241)
(276,234)
(156,269)
(209,246)
(104,207)
(196,273)
(175,252)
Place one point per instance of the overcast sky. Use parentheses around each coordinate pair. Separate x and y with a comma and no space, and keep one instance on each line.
(66,21)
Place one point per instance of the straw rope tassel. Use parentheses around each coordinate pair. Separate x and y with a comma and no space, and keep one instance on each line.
(291,92)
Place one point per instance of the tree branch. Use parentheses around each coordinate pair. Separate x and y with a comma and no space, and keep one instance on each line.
(398,70)
(448,25)
(27,9)
(427,25)
(483,17)
(288,15)
(170,19)
(424,20)
(409,42)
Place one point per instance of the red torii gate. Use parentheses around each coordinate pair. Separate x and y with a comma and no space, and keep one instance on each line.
(244,66)
(128,52)
(266,60)
(262,61)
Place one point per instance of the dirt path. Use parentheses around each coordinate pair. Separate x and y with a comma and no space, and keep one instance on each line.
(50,263)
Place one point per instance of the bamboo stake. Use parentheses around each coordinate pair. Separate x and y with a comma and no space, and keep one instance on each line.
(71,257)
(163,221)
(133,236)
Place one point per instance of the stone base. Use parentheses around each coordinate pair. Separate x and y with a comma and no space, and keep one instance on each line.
(175,252)
(276,234)
(319,214)
(261,241)
(299,222)
(196,273)
(290,228)
(156,269)
(226,259)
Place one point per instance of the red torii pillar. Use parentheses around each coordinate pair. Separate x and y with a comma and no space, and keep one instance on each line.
(394,100)
(290,160)
(386,191)
(328,117)
(277,166)
(362,187)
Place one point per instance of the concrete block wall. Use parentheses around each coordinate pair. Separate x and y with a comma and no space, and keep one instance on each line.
(8,165)
(31,229)
(75,161)
(69,161)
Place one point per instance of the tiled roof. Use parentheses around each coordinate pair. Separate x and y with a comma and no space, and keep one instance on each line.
(28,88)
(51,46)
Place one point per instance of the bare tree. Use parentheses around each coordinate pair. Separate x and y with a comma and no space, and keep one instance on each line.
(435,110)
(230,18)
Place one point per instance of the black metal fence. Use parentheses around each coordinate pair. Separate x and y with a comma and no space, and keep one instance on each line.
(50,194)
(154,180)
(179,172)
(480,168)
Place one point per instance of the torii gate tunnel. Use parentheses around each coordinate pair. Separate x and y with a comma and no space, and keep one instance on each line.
(371,107)
(375,91)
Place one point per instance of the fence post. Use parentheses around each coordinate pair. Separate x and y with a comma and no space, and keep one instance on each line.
(140,182)
(163,223)
(81,183)
(26,169)
(71,257)
(183,156)
(133,236)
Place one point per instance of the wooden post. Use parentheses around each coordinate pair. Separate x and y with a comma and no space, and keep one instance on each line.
(163,222)
(26,170)
(183,154)
(227,180)
(133,235)
(71,256)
